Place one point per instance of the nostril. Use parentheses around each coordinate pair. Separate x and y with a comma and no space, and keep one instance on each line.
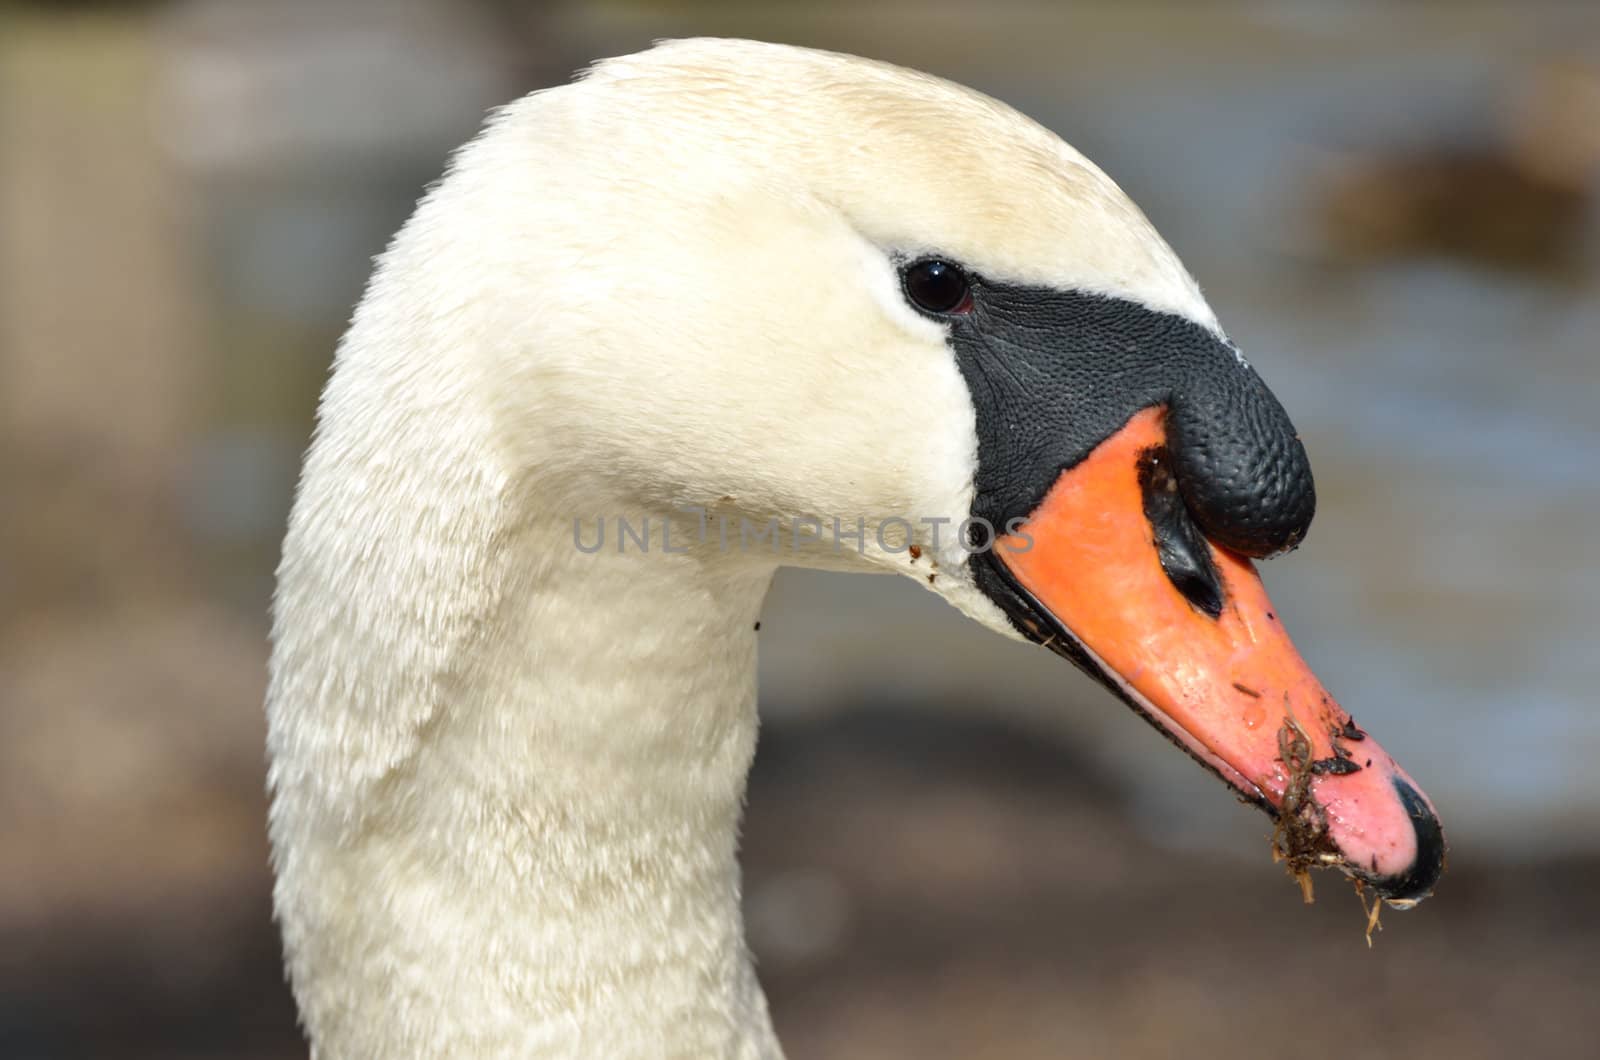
(1184,553)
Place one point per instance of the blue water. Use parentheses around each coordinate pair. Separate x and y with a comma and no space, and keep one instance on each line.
(1449,593)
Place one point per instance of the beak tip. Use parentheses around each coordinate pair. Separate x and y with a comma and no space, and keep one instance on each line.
(1405,889)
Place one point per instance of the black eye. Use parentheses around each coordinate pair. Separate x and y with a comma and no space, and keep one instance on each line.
(936,286)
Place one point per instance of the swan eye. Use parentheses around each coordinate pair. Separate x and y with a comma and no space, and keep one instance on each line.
(936,286)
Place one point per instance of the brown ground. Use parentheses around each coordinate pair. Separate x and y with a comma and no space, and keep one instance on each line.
(1000,905)
(920,886)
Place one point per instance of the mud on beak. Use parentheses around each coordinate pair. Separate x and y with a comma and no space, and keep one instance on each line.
(1110,572)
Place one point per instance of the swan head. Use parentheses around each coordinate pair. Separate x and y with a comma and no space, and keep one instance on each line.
(918,333)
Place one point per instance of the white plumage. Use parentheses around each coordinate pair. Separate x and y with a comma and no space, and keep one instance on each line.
(507,774)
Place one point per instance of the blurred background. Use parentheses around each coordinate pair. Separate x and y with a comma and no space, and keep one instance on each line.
(1393,210)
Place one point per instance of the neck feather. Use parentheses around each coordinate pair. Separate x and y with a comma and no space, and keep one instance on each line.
(507,775)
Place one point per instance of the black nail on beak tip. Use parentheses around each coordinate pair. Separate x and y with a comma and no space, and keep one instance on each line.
(1418,881)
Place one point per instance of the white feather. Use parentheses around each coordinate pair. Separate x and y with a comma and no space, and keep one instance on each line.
(507,774)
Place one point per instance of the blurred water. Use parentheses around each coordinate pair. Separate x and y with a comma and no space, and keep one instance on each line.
(1448,593)
(1452,581)
(190,210)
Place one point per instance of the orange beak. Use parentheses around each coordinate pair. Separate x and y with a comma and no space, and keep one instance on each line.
(1228,687)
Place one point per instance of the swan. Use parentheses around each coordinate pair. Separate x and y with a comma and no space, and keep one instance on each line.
(762,305)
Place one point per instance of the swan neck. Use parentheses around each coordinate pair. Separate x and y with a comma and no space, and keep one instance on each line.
(507,788)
